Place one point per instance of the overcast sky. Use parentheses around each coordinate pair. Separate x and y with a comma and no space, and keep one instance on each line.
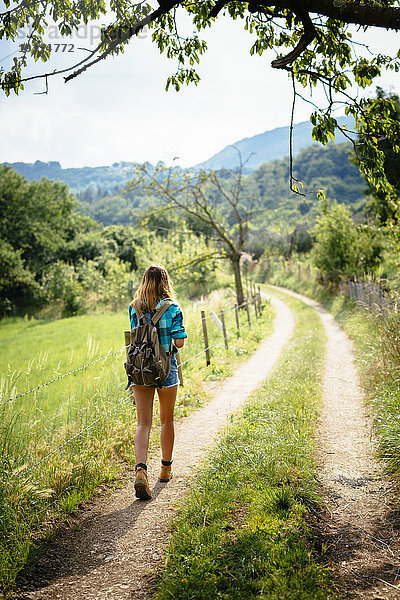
(119,110)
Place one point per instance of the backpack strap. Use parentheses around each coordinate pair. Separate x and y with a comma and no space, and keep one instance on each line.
(139,312)
(159,312)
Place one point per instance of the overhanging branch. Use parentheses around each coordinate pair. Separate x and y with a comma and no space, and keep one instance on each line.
(218,6)
(164,7)
(345,11)
(86,63)
(309,34)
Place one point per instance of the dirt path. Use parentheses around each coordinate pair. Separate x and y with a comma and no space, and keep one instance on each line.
(360,530)
(117,542)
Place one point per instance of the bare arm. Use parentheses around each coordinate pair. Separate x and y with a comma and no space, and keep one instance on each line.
(179,342)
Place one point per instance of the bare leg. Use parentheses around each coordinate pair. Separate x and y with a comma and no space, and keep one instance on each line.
(144,408)
(167,398)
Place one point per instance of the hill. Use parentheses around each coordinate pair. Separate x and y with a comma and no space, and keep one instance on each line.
(317,168)
(267,146)
(102,180)
(98,179)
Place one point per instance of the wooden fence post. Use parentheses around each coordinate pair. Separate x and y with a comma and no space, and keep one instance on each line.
(205,336)
(224,330)
(255,306)
(259,300)
(237,317)
(127,341)
(248,313)
(179,363)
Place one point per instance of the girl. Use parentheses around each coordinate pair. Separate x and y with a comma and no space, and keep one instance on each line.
(154,289)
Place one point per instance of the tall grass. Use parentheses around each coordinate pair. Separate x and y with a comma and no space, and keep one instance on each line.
(59,442)
(242,534)
(377,339)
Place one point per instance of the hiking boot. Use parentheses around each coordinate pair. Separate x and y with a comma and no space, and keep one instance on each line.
(142,484)
(165,473)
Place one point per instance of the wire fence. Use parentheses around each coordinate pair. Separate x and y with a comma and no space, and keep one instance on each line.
(89,364)
(202,351)
(46,383)
(30,468)
(254,301)
(24,474)
(78,369)
(376,295)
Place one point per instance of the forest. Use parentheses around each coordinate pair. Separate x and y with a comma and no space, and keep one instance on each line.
(326,168)
(57,260)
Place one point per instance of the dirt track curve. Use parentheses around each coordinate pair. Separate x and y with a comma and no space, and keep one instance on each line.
(118,541)
(359,531)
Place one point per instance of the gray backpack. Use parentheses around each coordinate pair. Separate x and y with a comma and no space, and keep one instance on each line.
(147,363)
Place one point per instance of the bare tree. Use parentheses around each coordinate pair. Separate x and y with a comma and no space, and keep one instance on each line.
(215,199)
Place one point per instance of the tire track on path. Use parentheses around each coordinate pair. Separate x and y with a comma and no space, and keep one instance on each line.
(360,530)
(118,541)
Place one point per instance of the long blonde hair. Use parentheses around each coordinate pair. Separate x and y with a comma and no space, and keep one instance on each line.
(155,285)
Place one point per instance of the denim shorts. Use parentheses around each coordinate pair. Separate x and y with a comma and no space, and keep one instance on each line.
(172,378)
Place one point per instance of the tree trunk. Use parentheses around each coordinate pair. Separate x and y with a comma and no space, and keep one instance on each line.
(235,260)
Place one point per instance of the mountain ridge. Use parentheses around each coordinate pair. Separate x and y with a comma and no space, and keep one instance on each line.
(270,145)
(254,150)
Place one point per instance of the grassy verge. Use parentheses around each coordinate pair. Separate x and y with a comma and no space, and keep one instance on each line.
(377,343)
(242,532)
(337,304)
(61,442)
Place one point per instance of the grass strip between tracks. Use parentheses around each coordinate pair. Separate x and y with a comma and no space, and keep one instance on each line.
(376,337)
(242,533)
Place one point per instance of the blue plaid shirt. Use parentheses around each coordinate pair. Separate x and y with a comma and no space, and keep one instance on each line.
(169,326)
